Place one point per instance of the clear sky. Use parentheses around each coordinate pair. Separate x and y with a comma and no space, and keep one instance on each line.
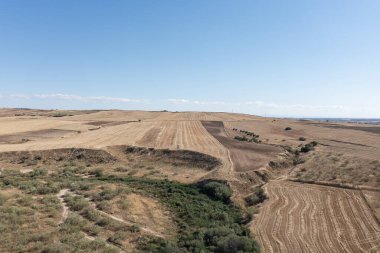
(312,58)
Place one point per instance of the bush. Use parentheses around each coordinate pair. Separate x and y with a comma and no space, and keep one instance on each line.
(118,238)
(107,194)
(216,190)
(288,128)
(308,147)
(297,160)
(234,243)
(135,228)
(104,222)
(196,213)
(257,197)
(91,230)
(302,139)
(213,235)
(39,172)
(74,223)
(48,189)
(97,244)
(104,206)
(56,248)
(97,173)
(3,199)
(239,138)
(91,214)
(76,203)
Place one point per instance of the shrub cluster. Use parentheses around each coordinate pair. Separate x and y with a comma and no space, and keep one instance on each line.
(255,198)
(253,139)
(206,219)
(308,147)
(249,136)
(216,190)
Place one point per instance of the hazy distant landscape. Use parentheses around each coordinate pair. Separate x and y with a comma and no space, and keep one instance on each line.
(363,121)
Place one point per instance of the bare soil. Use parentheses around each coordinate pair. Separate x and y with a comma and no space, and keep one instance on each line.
(32,135)
(245,156)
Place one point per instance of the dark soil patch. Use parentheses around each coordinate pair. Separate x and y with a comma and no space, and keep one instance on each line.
(175,157)
(245,155)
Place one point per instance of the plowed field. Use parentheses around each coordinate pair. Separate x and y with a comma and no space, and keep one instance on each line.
(311,218)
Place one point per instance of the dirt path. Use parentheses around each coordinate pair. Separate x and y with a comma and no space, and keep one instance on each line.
(65,208)
(128,223)
(65,213)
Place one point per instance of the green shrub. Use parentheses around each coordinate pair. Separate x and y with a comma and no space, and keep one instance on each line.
(134,228)
(90,214)
(195,213)
(39,172)
(104,206)
(3,199)
(216,190)
(104,222)
(118,237)
(48,188)
(73,224)
(91,230)
(239,244)
(213,235)
(97,173)
(239,138)
(257,197)
(297,160)
(107,194)
(308,147)
(56,248)
(76,203)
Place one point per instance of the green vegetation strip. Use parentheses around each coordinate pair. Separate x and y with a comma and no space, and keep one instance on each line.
(207,222)
(206,219)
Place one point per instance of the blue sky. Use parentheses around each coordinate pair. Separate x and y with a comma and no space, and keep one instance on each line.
(314,58)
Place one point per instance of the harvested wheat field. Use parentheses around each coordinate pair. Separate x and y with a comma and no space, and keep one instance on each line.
(312,218)
(123,181)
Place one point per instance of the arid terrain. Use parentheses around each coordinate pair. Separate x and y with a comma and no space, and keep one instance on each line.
(140,181)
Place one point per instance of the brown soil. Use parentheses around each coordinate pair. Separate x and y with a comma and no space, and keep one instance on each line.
(311,218)
(31,135)
(108,123)
(245,156)
(370,129)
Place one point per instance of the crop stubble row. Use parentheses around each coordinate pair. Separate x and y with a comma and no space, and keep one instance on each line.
(309,218)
